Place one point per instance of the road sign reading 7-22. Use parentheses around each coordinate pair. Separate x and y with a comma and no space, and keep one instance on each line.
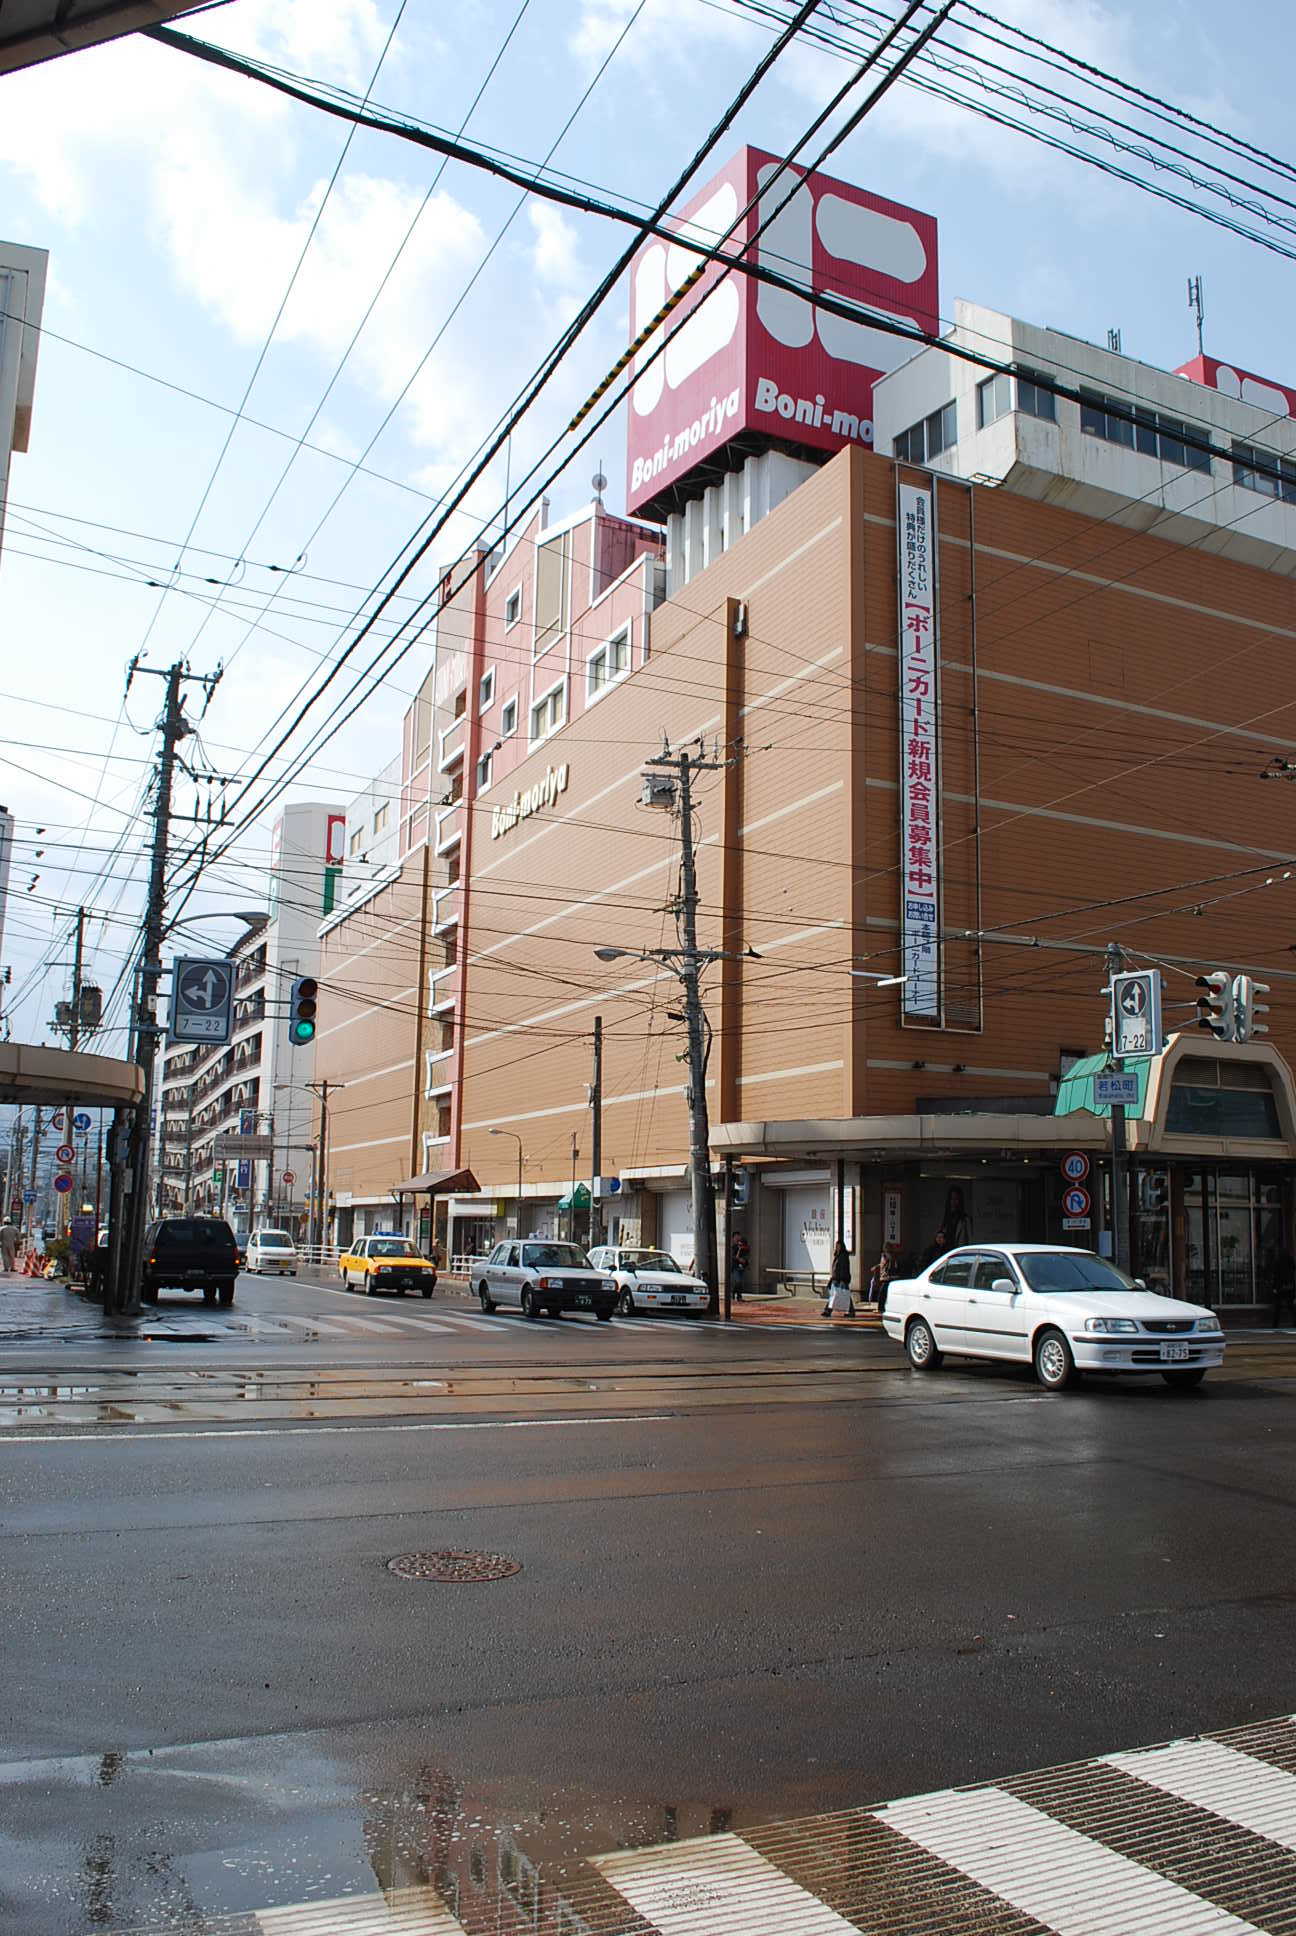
(202,1000)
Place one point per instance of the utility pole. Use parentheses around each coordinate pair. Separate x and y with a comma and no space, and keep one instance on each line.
(1119,1165)
(128,1244)
(686,962)
(35,1158)
(323,1089)
(596,1130)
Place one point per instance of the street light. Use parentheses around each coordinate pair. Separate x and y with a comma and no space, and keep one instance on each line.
(518,1140)
(880,981)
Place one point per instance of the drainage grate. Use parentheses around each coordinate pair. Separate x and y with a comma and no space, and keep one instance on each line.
(453,1567)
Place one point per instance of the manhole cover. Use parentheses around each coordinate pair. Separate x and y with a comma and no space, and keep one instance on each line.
(453,1567)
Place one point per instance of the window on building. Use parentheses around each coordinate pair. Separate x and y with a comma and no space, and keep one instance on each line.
(610,663)
(1150,432)
(928,438)
(1261,470)
(460,705)
(354,847)
(443,1117)
(454,783)
(450,945)
(994,399)
(445,1031)
(513,607)
(1035,400)
(483,772)
(549,713)
(508,717)
(452,866)
(486,690)
(380,819)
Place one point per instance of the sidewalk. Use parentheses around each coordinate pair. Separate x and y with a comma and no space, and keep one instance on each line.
(761,1309)
(45,1307)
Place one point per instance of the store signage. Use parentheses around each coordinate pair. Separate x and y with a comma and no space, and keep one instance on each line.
(238,1147)
(919,629)
(742,356)
(1278,399)
(892,1219)
(523,805)
(1075,1166)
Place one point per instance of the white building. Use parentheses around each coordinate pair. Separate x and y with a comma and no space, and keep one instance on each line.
(257,1082)
(22,301)
(1201,467)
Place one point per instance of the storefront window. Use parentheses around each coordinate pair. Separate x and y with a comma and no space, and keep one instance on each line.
(1236,1233)
(1151,1229)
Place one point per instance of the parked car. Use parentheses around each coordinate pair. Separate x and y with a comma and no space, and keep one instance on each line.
(1065,1311)
(387,1263)
(539,1275)
(190,1254)
(271,1250)
(649,1280)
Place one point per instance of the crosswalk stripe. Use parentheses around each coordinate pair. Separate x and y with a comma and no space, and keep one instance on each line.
(1070,1883)
(404,1912)
(717,1884)
(1244,1791)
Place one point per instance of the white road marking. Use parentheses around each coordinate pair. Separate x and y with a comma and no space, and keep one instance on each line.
(296,1431)
(1249,1793)
(404,1912)
(1074,1886)
(717,1883)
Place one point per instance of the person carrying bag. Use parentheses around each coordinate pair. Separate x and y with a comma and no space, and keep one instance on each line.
(840,1303)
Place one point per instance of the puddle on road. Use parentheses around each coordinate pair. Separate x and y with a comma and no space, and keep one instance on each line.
(132,1844)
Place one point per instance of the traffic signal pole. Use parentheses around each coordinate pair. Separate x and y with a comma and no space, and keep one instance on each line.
(1119,1157)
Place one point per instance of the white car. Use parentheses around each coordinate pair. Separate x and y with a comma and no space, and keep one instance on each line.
(649,1280)
(1064,1311)
(271,1250)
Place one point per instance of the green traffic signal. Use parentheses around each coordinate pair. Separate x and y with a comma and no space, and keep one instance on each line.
(301,1011)
(301,1031)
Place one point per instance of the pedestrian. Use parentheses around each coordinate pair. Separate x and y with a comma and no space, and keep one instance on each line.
(9,1243)
(840,1303)
(1283,1280)
(879,1278)
(739,1258)
(935,1249)
(956,1222)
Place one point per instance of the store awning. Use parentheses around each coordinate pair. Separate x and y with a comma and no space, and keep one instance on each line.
(577,1199)
(1075,1090)
(436,1183)
(31,1072)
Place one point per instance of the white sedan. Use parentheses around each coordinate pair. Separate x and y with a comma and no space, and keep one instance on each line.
(1064,1311)
(650,1280)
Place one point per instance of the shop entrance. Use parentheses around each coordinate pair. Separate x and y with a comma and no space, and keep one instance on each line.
(1234,1228)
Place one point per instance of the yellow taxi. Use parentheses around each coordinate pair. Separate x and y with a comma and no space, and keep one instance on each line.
(386,1263)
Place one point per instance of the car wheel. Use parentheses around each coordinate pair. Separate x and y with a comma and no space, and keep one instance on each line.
(920,1345)
(346,1281)
(368,1286)
(626,1305)
(426,1290)
(530,1304)
(486,1301)
(604,1317)
(149,1294)
(553,1310)
(1054,1364)
(226,1293)
(209,1293)
(1184,1380)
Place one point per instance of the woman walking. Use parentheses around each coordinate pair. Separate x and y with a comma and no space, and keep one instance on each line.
(840,1303)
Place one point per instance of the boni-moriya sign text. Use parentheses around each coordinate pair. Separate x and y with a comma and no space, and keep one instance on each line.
(523,805)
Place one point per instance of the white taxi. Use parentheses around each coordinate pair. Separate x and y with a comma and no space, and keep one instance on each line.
(1063,1311)
(649,1280)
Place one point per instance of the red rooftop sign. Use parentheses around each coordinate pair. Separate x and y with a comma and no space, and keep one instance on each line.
(1230,381)
(744,357)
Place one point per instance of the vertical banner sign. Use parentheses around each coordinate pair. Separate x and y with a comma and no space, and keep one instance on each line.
(919,752)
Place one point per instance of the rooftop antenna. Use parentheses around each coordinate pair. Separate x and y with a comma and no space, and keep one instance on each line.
(1113,341)
(599,481)
(1197,304)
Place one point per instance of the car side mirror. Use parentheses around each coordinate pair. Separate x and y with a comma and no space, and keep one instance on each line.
(1004,1284)
(1141,1283)
(632,1270)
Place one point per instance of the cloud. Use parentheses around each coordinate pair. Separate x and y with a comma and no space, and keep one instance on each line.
(555,254)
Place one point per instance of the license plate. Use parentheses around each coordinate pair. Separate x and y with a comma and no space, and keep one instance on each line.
(1174,1351)
(678,1297)
(583,1300)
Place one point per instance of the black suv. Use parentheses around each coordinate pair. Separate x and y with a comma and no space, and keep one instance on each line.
(190,1254)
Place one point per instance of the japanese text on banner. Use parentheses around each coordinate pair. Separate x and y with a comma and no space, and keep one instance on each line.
(919,753)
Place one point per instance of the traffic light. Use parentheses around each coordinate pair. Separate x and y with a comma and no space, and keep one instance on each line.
(1216,1008)
(301,1011)
(1246,1008)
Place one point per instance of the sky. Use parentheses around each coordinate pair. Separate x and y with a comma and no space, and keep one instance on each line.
(175,201)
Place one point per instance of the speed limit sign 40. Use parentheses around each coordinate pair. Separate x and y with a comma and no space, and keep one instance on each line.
(1075,1166)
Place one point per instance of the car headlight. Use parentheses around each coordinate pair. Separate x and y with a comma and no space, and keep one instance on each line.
(1109,1325)
(1211,1326)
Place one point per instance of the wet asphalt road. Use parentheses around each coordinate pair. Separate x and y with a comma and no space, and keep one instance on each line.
(217,1697)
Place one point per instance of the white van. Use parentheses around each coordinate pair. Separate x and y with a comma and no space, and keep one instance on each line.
(272,1250)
